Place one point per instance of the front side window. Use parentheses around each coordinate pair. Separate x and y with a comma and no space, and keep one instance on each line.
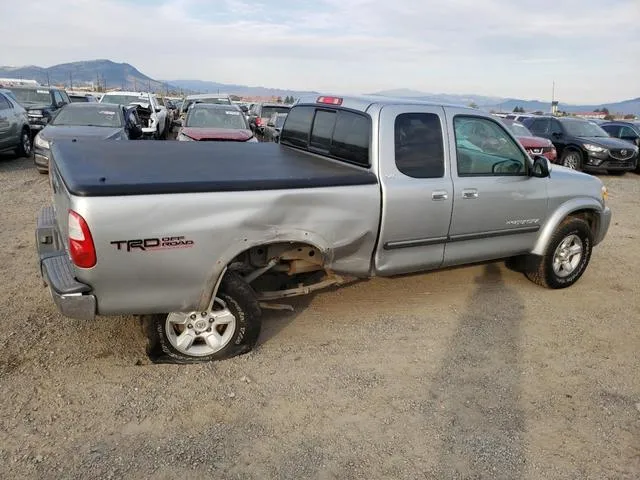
(419,149)
(484,148)
(4,103)
(583,128)
(57,98)
(627,132)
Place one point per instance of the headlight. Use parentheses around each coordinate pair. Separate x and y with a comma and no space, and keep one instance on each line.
(594,148)
(604,193)
(41,142)
(183,138)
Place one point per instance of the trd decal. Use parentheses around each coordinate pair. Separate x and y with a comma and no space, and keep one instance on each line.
(146,244)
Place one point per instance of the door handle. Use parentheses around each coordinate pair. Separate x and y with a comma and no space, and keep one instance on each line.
(470,193)
(439,195)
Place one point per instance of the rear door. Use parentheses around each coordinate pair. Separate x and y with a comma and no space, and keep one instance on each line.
(498,208)
(417,191)
(7,124)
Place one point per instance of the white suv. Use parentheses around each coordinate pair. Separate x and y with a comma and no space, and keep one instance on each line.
(153,116)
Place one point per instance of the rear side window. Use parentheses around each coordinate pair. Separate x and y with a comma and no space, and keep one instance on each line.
(340,134)
(419,148)
(539,125)
(613,130)
(4,103)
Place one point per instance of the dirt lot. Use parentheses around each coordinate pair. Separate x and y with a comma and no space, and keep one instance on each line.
(466,373)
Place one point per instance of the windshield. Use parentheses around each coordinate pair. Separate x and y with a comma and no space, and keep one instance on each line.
(28,96)
(213,100)
(207,117)
(98,116)
(267,111)
(580,128)
(124,99)
(519,130)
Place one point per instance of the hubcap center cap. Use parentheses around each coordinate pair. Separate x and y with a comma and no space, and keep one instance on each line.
(201,325)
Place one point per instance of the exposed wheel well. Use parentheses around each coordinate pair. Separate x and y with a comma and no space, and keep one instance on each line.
(589,216)
(284,269)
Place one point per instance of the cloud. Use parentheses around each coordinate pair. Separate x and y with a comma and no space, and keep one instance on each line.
(496,47)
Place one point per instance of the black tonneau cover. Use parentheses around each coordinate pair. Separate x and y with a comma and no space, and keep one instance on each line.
(108,168)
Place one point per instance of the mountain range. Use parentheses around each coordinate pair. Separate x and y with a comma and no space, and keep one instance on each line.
(109,74)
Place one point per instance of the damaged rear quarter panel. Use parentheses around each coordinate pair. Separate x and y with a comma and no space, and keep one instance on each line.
(342,222)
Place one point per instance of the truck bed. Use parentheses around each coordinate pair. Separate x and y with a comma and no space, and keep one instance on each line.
(113,168)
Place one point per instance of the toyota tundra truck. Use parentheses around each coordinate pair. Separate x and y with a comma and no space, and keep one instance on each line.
(197,238)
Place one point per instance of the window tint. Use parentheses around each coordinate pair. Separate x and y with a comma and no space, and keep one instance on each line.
(418,145)
(343,135)
(351,138)
(555,127)
(538,125)
(298,126)
(65,97)
(322,130)
(4,103)
(484,148)
(627,132)
(613,130)
(57,97)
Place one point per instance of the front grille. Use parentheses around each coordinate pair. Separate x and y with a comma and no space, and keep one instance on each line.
(622,153)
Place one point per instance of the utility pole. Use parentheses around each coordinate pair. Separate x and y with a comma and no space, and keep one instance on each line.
(70,81)
(48,80)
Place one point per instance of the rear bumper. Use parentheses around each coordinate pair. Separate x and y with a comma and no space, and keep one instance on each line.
(73,299)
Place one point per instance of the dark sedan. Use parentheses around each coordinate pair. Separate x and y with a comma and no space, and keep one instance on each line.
(583,145)
(86,120)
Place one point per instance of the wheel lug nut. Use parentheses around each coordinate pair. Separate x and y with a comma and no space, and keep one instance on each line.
(189,326)
(204,314)
(211,320)
(193,316)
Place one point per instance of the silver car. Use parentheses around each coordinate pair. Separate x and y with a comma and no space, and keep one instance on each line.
(15,134)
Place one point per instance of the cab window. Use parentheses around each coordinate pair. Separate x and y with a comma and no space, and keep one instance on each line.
(419,149)
(484,148)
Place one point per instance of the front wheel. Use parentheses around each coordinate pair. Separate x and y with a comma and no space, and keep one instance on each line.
(566,256)
(231,328)
(572,159)
(25,146)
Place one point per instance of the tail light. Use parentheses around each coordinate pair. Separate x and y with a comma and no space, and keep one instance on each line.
(330,100)
(258,122)
(81,247)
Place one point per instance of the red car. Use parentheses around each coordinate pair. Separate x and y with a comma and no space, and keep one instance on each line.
(533,145)
(215,123)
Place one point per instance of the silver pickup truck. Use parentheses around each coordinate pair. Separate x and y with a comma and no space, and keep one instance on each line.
(196,237)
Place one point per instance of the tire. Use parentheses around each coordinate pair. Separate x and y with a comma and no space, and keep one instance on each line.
(569,230)
(572,159)
(236,297)
(25,147)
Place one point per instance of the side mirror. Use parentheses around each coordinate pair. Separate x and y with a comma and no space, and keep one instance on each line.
(158,109)
(540,168)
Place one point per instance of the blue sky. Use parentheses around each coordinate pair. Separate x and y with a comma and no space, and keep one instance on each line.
(507,48)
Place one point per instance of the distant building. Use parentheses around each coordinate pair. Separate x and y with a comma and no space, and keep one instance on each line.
(596,115)
(16,82)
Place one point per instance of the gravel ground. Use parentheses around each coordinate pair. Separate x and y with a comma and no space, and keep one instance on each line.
(466,373)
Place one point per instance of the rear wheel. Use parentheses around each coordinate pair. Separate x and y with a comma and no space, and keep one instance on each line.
(572,159)
(25,146)
(566,257)
(230,328)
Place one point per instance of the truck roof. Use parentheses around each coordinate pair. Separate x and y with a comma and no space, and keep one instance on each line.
(206,95)
(363,102)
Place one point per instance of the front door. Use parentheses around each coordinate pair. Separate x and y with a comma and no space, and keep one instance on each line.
(498,208)
(6,120)
(415,177)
